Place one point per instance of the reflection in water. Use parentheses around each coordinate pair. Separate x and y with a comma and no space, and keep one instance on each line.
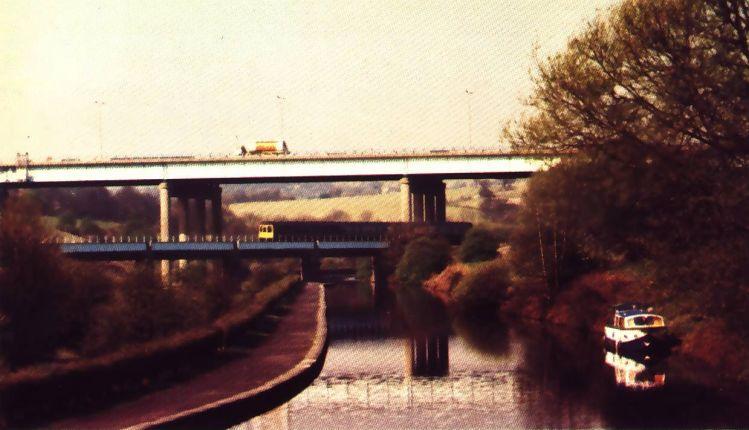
(633,374)
(385,368)
(483,334)
(426,356)
(364,385)
(276,419)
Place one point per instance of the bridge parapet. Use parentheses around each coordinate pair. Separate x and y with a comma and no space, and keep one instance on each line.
(149,248)
(244,241)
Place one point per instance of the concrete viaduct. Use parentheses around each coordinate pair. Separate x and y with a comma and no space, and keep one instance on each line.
(195,182)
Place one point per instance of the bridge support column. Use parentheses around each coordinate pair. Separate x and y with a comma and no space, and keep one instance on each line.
(191,211)
(378,281)
(310,268)
(417,197)
(200,217)
(423,200)
(440,203)
(217,221)
(164,206)
(216,226)
(406,201)
(183,224)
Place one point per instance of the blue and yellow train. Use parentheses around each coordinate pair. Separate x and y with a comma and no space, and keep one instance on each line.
(334,230)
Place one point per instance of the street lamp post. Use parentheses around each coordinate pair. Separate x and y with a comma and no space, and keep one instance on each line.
(101,138)
(281,100)
(470,119)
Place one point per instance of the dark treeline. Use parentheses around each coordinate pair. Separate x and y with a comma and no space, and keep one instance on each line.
(261,195)
(78,208)
(648,110)
(56,309)
(650,107)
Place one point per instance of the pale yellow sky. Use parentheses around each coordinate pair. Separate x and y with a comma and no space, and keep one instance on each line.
(198,77)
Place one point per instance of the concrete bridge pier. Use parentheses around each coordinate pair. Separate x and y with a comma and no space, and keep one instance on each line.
(164,210)
(183,223)
(423,200)
(191,214)
(217,217)
(427,356)
(378,279)
(216,225)
(310,268)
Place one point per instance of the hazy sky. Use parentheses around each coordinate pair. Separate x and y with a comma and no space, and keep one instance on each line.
(195,77)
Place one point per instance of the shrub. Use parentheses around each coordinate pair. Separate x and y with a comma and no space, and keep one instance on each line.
(89,228)
(423,257)
(363,269)
(479,244)
(140,309)
(30,293)
(68,223)
(483,288)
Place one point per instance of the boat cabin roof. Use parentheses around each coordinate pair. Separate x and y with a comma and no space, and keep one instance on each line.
(633,312)
(632,308)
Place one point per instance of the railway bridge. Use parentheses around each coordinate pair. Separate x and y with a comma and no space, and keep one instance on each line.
(229,248)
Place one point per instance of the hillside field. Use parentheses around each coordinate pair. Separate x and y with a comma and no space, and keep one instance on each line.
(462,205)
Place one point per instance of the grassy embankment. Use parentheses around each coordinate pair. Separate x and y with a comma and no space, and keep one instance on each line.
(76,334)
(60,388)
(585,304)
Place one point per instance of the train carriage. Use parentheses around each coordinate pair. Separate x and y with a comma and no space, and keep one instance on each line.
(333,230)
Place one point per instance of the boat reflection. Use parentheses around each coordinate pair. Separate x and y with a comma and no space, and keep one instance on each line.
(635,375)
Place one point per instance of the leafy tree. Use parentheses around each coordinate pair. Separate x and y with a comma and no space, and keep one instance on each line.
(88,227)
(653,101)
(479,244)
(658,76)
(483,288)
(547,239)
(138,310)
(337,215)
(131,204)
(332,192)
(493,207)
(68,223)
(30,300)
(423,257)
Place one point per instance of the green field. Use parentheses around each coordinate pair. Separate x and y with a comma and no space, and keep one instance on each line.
(462,205)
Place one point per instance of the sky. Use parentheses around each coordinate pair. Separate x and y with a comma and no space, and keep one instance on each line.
(83,79)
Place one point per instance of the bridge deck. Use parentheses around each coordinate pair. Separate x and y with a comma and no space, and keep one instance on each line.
(199,250)
(347,167)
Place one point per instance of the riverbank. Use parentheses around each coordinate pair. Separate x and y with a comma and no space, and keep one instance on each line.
(254,379)
(584,305)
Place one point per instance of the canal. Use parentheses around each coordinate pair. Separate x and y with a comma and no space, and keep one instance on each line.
(405,364)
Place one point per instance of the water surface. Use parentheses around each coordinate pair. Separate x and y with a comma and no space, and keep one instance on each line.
(388,367)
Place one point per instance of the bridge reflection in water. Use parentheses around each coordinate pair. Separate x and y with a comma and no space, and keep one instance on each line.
(378,374)
(426,355)
(402,392)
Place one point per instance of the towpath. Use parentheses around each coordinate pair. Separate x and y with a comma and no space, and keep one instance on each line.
(260,378)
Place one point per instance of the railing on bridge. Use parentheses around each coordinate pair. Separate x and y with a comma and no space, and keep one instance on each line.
(198,247)
(215,238)
(24,161)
